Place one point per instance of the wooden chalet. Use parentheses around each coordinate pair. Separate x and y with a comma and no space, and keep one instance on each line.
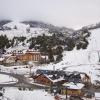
(9,59)
(72,89)
(48,80)
(29,56)
(85,78)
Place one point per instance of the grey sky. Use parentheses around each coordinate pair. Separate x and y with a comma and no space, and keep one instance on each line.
(69,13)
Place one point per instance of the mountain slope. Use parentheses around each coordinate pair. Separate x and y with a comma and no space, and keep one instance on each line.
(86,61)
(17,29)
(50,27)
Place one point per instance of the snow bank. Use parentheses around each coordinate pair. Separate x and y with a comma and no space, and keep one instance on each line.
(6,79)
(15,94)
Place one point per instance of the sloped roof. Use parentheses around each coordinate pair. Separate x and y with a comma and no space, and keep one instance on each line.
(51,79)
(71,85)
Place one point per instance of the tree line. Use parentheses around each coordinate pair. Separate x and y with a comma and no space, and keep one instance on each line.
(49,45)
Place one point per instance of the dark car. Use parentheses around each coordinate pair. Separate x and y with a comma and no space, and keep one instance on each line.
(75,98)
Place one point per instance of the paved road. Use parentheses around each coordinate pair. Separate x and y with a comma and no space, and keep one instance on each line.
(22,81)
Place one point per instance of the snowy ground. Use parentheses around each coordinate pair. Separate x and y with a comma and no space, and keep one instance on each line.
(26,94)
(97,95)
(15,94)
(6,79)
(15,69)
(77,60)
(82,60)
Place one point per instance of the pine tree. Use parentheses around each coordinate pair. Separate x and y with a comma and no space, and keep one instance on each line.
(50,54)
(4,42)
(59,50)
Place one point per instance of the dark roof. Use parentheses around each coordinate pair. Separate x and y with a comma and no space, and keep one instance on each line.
(50,72)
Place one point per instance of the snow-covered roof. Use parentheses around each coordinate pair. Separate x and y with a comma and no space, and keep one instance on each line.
(58,80)
(36,52)
(1,59)
(44,57)
(76,86)
(7,55)
(97,95)
(54,80)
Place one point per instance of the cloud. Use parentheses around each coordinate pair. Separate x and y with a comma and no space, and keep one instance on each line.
(69,13)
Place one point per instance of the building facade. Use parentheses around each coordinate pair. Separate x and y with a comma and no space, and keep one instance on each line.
(34,56)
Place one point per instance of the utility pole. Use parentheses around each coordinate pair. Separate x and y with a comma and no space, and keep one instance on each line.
(66,93)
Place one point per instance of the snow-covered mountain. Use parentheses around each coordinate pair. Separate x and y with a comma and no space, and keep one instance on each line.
(86,60)
(32,28)
(17,29)
(52,28)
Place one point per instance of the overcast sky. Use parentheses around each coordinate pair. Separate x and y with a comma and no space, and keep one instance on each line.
(69,13)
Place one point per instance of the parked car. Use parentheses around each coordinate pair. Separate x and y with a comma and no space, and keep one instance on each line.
(75,98)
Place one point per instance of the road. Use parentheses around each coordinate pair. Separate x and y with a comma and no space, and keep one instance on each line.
(22,81)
